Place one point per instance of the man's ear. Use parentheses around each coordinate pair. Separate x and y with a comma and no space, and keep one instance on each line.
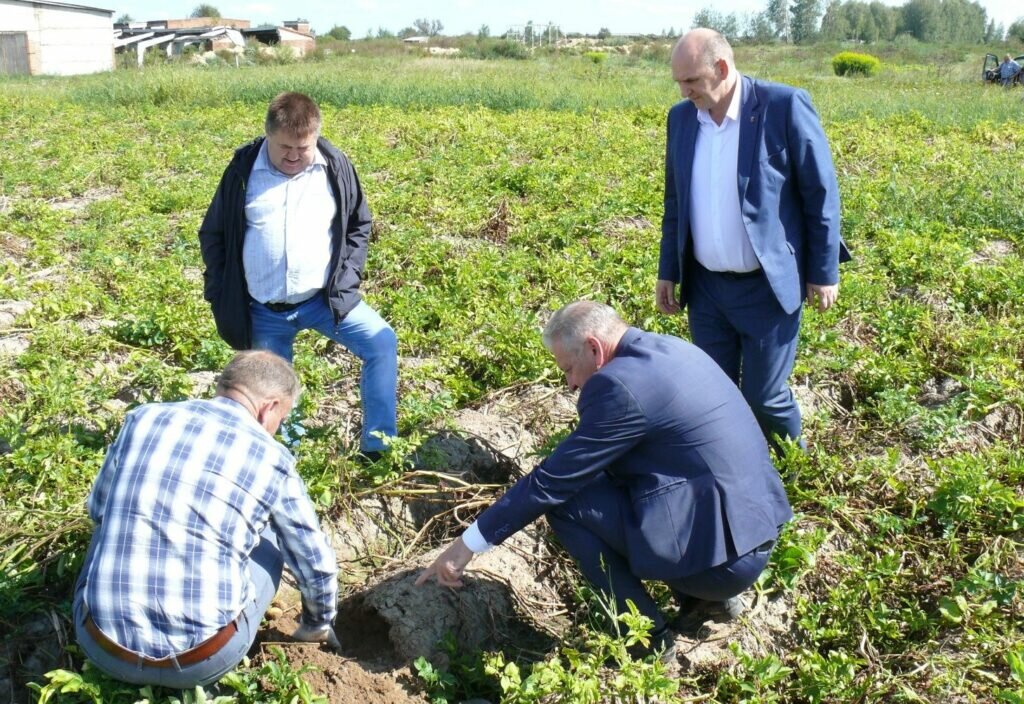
(595,348)
(266,408)
(722,69)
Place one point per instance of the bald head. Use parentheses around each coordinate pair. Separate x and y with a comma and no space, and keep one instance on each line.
(705,45)
(704,68)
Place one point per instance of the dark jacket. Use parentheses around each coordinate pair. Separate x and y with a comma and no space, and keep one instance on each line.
(223,231)
(789,196)
(675,433)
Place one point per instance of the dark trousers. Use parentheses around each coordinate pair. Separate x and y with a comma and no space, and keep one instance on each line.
(592,529)
(740,324)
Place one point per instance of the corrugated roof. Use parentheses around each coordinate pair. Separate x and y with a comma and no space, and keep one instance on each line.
(55,3)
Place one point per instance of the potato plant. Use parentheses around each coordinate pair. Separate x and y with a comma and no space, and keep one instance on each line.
(502,190)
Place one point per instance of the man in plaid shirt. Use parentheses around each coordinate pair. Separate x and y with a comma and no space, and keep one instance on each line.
(196,507)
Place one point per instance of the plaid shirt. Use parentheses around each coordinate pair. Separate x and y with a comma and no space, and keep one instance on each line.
(179,504)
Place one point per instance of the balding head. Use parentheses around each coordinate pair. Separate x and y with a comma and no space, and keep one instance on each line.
(704,68)
(705,45)
(263,383)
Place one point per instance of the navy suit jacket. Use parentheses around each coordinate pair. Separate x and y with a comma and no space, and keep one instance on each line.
(789,196)
(670,428)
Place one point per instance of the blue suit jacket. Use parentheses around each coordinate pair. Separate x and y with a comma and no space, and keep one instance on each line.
(667,425)
(787,185)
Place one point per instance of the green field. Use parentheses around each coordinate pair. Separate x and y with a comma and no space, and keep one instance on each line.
(502,190)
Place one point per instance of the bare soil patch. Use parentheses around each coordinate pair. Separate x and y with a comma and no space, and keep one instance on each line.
(76,204)
(992,252)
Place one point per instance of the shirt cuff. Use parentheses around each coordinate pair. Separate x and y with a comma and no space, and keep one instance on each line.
(475,540)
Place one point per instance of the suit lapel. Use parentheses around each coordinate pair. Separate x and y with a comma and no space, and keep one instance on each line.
(751,126)
(687,143)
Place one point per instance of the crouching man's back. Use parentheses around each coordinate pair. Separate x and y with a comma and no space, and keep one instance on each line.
(196,508)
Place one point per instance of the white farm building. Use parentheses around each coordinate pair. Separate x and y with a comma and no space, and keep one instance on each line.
(57,38)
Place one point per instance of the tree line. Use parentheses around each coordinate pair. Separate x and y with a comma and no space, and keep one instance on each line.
(808,21)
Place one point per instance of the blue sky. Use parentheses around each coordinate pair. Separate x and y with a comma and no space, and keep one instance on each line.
(460,16)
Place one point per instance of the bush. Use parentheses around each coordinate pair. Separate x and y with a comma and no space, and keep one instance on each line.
(850,63)
(496,49)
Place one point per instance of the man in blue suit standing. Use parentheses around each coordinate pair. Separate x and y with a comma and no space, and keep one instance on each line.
(751,223)
(666,476)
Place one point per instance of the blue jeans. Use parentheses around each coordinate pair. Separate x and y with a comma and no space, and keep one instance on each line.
(591,527)
(364,333)
(264,568)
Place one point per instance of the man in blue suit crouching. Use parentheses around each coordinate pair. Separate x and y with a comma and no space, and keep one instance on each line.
(666,477)
(751,223)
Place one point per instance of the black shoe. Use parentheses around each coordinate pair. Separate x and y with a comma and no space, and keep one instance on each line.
(369,457)
(690,621)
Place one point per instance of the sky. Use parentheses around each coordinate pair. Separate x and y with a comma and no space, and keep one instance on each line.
(462,16)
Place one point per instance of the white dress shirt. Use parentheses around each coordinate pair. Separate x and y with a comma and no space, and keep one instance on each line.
(720,240)
(287,248)
(475,540)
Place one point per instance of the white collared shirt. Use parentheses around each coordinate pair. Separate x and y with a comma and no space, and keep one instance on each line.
(720,241)
(287,247)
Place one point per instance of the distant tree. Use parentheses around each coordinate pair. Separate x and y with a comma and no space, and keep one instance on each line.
(429,28)
(383,33)
(758,28)
(778,16)
(806,17)
(723,23)
(888,20)
(406,32)
(923,19)
(206,10)
(1016,31)
(125,19)
(834,26)
(340,32)
(990,32)
(603,33)
(484,32)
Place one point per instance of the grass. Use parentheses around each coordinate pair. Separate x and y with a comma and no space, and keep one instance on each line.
(502,190)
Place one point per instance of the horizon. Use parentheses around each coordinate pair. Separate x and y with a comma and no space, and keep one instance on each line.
(459,17)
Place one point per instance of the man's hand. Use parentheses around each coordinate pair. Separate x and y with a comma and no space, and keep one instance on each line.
(826,295)
(449,566)
(665,297)
(318,634)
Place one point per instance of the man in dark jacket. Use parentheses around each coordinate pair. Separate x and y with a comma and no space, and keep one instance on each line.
(284,242)
(666,477)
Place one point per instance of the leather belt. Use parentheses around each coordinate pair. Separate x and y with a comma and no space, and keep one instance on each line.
(204,650)
(738,274)
(285,307)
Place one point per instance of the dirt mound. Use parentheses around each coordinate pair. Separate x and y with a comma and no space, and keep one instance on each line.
(508,603)
(505,603)
(345,678)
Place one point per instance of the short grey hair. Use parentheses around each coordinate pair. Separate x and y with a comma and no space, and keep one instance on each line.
(571,324)
(263,375)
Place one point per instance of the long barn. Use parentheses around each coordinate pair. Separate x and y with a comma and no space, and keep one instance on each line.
(58,38)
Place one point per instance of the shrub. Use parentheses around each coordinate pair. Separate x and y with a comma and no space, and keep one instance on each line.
(598,57)
(850,63)
(496,49)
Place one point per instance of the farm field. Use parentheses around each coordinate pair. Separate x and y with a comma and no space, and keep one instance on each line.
(502,190)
